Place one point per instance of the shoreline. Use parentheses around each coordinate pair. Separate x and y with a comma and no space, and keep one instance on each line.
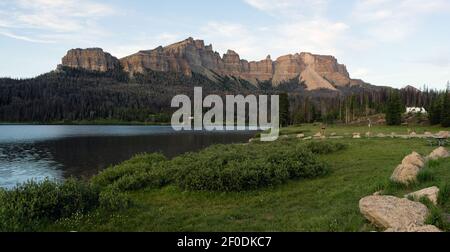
(86,123)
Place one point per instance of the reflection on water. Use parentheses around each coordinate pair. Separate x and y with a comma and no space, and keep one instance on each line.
(19,163)
(58,152)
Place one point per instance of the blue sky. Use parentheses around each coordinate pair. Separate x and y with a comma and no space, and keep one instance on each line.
(384,42)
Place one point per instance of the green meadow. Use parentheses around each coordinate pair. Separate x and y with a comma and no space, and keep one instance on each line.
(320,193)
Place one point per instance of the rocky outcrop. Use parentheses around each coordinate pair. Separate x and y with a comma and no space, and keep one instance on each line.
(438,153)
(393,213)
(408,170)
(92,59)
(405,174)
(431,194)
(188,56)
(414,159)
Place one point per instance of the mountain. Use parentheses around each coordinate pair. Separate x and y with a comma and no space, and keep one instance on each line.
(316,72)
(91,84)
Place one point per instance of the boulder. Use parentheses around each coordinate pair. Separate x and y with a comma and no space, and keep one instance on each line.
(405,173)
(438,153)
(431,193)
(414,159)
(392,212)
(445,134)
(415,229)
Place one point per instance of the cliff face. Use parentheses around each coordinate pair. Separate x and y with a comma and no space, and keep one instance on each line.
(316,71)
(93,59)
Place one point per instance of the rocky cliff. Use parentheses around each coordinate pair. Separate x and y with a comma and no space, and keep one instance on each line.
(93,59)
(315,71)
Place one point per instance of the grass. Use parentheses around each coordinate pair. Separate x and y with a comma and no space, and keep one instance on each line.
(311,129)
(328,203)
(288,185)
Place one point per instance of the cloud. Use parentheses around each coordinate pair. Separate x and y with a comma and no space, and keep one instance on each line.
(290,8)
(24,38)
(233,36)
(300,25)
(52,18)
(317,35)
(394,20)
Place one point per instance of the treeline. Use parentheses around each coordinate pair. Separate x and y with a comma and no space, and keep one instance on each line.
(77,95)
(439,109)
(357,103)
(338,107)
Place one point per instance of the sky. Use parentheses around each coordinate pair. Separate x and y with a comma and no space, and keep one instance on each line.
(384,42)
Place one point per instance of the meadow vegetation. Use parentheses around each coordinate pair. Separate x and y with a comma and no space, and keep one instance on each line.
(288,185)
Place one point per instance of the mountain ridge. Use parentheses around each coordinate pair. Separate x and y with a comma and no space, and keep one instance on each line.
(315,71)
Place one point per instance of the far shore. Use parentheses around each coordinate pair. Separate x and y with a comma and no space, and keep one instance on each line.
(100,123)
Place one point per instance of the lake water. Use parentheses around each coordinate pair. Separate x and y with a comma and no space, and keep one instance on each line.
(58,152)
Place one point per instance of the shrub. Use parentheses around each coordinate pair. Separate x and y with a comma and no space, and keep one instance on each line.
(218,168)
(322,147)
(156,177)
(31,204)
(113,199)
(141,171)
(240,168)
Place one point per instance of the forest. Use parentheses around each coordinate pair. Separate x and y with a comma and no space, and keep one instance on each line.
(70,95)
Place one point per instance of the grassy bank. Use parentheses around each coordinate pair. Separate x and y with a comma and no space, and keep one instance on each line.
(328,203)
(278,201)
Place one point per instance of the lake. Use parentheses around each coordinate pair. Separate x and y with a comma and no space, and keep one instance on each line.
(57,152)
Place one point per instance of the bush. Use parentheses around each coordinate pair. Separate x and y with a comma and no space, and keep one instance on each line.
(219,168)
(31,204)
(113,199)
(323,147)
(144,170)
(240,168)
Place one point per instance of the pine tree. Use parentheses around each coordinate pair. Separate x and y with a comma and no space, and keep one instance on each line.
(394,110)
(284,110)
(445,113)
(435,111)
